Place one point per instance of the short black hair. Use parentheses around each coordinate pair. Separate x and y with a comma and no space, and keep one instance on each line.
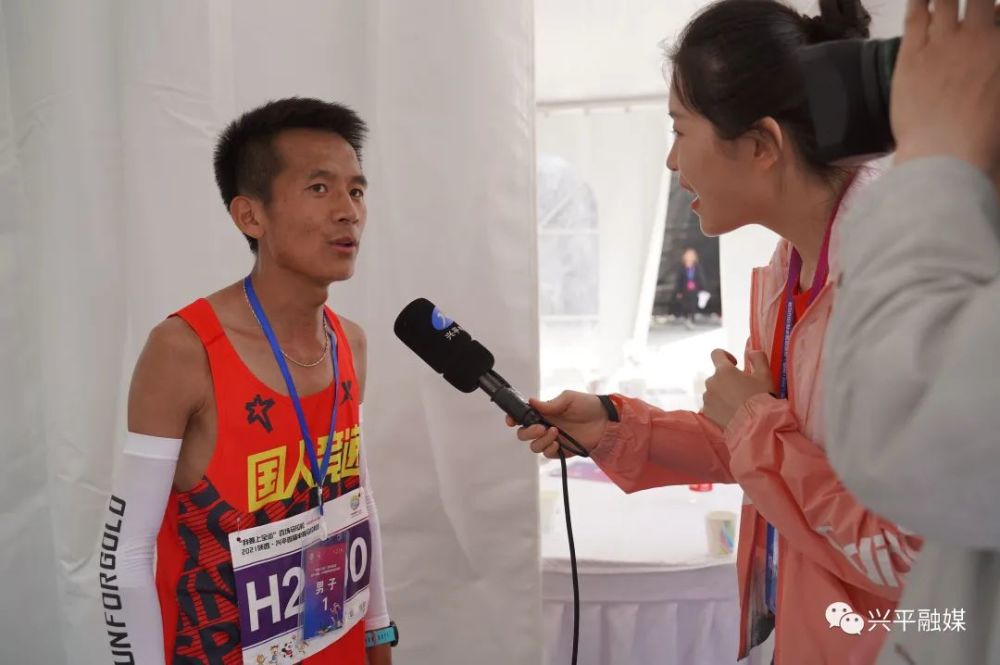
(246,161)
(736,63)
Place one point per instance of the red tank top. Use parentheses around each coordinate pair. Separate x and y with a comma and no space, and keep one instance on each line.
(258,474)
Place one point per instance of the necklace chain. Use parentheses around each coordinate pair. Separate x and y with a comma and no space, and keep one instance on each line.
(326,337)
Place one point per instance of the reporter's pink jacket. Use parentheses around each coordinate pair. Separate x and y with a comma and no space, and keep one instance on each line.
(831,548)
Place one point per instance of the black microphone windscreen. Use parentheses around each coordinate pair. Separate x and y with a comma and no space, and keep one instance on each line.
(443,344)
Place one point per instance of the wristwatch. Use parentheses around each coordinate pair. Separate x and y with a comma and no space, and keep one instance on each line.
(609,405)
(388,635)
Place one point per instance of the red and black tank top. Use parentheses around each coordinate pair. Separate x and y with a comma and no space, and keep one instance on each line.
(258,474)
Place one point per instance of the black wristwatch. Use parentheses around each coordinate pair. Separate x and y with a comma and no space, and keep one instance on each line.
(388,635)
(609,406)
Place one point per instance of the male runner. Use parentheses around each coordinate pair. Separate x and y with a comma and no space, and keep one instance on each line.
(229,399)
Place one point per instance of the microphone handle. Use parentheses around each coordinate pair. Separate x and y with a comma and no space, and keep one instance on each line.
(510,400)
(516,406)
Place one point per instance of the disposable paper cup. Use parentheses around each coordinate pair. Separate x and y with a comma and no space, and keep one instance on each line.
(720,527)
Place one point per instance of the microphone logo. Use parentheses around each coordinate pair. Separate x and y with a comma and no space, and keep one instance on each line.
(439,320)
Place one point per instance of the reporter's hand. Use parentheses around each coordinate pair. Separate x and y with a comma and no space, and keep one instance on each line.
(580,415)
(946,85)
(729,388)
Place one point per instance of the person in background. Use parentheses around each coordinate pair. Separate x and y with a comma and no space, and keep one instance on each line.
(690,283)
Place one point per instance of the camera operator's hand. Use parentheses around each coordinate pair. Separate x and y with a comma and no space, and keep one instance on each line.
(946,86)
(580,415)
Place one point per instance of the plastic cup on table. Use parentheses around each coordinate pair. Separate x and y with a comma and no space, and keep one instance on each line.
(720,529)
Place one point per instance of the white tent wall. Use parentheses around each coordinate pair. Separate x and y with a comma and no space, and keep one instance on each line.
(606,49)
(110,220)
(610,151)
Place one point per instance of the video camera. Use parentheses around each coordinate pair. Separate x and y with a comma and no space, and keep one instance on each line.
(848,84)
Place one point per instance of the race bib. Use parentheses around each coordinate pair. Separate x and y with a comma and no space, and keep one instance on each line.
(297,592)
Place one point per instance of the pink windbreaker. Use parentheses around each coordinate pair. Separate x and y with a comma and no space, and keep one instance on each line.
(831,548)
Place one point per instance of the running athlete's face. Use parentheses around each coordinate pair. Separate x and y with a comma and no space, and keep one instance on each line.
(314,221)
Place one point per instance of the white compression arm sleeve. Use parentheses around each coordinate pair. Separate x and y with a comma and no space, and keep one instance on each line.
(378,613)
(139,496)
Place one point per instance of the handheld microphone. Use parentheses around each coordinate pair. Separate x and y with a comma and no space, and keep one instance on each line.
(465,363)
(468,365)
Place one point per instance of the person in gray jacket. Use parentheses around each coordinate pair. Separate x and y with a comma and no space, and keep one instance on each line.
(913,364)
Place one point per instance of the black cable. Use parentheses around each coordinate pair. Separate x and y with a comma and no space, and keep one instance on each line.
(572,445)
(568,442)
(572,554)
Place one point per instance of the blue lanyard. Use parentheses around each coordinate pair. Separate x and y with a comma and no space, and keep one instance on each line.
(819,280)
(771,570)
(318,470)
(794,269)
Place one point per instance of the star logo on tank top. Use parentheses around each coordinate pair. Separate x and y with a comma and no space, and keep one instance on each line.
(257,412)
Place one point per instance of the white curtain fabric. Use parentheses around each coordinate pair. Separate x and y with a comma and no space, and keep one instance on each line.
(110,220)
(656,617)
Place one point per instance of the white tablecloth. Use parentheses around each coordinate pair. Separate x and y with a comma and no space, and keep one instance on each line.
(650,592)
